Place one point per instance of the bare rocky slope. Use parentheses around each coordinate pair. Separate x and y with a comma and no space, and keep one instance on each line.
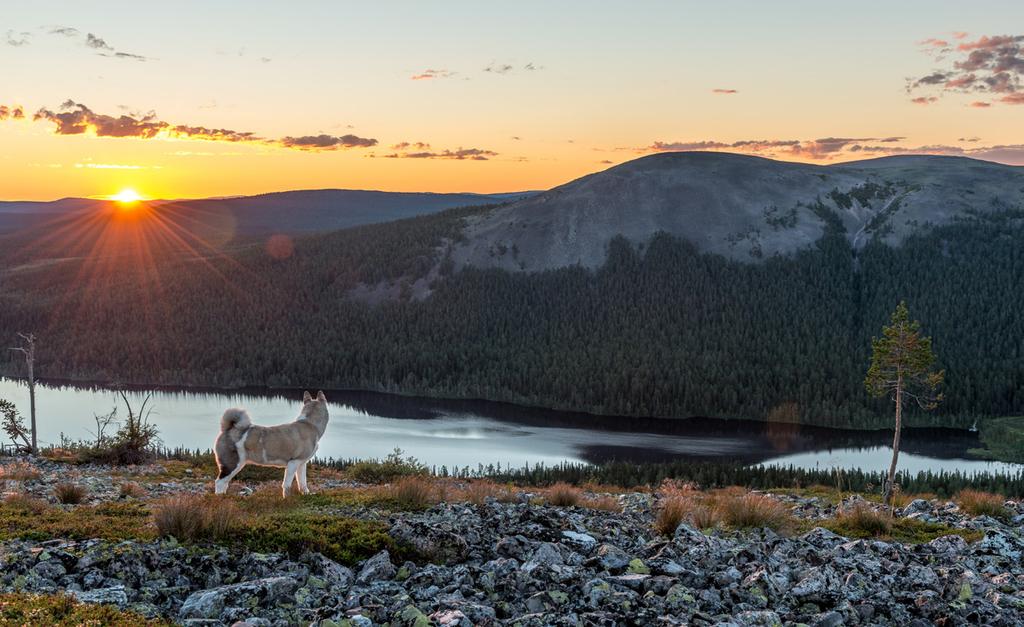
(743,207)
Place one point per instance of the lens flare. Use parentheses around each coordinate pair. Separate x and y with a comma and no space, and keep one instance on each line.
(127,196)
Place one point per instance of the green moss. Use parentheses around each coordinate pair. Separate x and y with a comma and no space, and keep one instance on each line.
(345,540)
(109,521)
(58,609)
(905,530)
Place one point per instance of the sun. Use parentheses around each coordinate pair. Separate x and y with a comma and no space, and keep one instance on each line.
(127,196)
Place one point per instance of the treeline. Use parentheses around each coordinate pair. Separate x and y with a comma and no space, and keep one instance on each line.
(659,330)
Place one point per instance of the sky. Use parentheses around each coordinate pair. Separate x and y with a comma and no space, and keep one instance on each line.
(194,99)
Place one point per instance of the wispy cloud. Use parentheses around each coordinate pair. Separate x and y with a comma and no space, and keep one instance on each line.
(498,68)
(407,145)
(472,154)
(94,42)
(73,118)
(924,100)
(724,91)
(988,65)
(431,74)
(12,38)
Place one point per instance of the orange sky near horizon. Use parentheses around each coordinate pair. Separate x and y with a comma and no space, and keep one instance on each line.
(464,97)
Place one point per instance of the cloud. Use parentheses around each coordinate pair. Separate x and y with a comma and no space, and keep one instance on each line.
(724,91)
(14,112)
(472,154)
(431,74)
(981,104)
(95,42)
(498,68)
(17,40)
(832,149)
(73,118)
(924,100)
(326,142)
(532,67)
(969,139)
(407,145)
(987,65)
(64,30)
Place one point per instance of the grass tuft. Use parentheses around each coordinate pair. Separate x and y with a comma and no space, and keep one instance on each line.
(563,495)
(61,609)
(978,503)
(69,493)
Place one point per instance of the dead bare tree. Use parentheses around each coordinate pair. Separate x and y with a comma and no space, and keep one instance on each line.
(28,349)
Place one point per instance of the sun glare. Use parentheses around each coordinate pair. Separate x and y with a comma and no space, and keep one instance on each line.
(127,196)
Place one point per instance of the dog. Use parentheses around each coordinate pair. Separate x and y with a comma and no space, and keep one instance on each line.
(289,446)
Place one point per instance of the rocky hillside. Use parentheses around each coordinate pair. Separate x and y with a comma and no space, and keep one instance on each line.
(524,560)
(743,207)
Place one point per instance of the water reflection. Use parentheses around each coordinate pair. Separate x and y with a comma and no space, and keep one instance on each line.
(468,433)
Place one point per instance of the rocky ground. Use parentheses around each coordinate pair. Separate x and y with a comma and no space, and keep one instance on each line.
(521,563)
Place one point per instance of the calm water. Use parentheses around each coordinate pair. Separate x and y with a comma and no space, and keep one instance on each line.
(467,433)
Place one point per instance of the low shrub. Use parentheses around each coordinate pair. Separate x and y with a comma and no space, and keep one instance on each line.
(61,609)
(393,467)
(978,503)
(69,493)
(24,502)
(562,495)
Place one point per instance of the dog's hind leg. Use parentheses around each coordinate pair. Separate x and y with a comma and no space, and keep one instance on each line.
(221,486)
(300,476)
(289,477)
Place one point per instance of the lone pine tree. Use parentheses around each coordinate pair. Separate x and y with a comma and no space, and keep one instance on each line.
(902,367)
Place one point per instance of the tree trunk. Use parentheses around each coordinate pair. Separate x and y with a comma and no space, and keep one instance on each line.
(891,480)
(32,399)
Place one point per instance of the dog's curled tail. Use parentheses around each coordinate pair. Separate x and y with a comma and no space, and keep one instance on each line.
(235,418)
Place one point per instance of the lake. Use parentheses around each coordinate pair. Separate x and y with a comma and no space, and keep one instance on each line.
(467,433)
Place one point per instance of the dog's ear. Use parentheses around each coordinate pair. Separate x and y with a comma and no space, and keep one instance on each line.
(320,396)
(306,397)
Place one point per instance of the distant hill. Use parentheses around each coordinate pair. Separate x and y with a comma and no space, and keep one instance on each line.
(742,207)
(291,213)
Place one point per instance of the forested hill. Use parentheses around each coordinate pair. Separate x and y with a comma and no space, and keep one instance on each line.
(742,207)
(659,328)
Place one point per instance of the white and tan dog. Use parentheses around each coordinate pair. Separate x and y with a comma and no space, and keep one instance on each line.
(289,446)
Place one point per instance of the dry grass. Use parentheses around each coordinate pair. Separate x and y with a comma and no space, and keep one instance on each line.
(603,503)
(563,495)
(26,503)
(132,490)
(69,493)
(978,503)
(415,492)
(19,471)
(189,518)
(735,508)
(479,491)
(864,521)
(753,511)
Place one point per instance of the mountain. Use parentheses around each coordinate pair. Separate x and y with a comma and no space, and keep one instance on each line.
(742,207)
(289,213)
(647,305)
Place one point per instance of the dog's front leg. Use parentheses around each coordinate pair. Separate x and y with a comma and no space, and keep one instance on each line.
(289,477)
